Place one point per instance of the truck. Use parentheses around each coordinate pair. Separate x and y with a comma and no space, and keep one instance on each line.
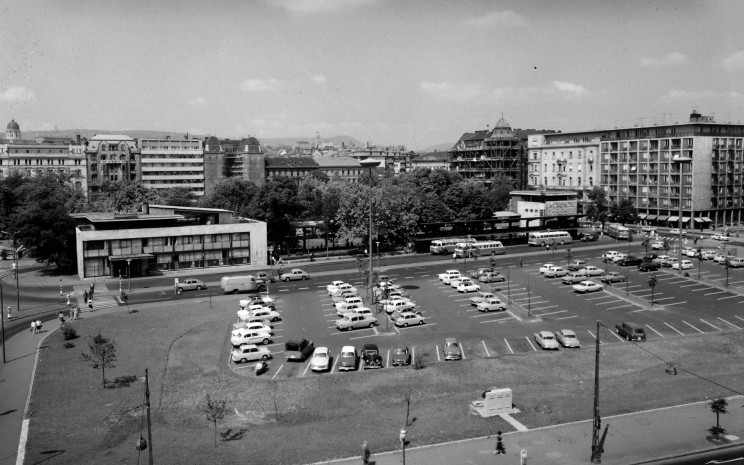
(235,284)
(617,231)
(298,349)
(371,356)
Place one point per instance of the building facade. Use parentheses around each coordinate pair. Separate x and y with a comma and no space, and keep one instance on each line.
(341,168)
(164,238)
(224,158)
(111,158)
(168,163)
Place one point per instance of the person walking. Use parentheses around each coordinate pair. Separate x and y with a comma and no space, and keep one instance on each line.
(520,262)
(61,318)
(76,310)
(365,453)
(33,326)
(38,325)
(500,450)
(85,296)
(92,289)
(454,256)
(10,316)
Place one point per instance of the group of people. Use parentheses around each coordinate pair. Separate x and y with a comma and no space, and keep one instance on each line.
(35,326)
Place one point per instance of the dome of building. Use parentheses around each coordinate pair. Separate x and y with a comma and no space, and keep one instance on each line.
(502,123)
(13,125)
(253,141)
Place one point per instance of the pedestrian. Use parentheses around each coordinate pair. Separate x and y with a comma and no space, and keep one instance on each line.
(547,247)
(454,256)
(365,453)
(500,450)
(61,318)
(71,313)
(38,325)
(85,296)
(92,289)
(10,316)
(33,327)
(520,262)
(68,299)
(76,311)
(90,302)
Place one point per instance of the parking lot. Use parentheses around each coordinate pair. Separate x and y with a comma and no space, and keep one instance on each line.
(683,307)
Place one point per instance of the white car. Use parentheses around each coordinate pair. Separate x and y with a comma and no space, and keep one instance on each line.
(342,296)
(256,326)
(618,257)
(556,272)
(348,359)
(245,336)
(720,237)
(609,255)
(253,319)
(587,286)
(349,308)
(348,301)
(332,287)
(271,315)
(407,319)
(482,295)
(249,353)
(321,359)
(658,245)
(399,306)
(456,282)
(449,275)
(355,321)
(592,270)
(686,265)
(395,298)
(546,340)
(341,288)
(676,232)
(567,338)
(708,254)
(689,251)
(546,267)
(491,305)
(294,275)
(468,286)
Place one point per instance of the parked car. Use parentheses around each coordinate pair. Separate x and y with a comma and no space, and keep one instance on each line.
(343,296)
(546,267)
(395,298)
(630,260)
(406,319)
(401,356)
(689,251)
(613,277)
(556,272)
(451,349)
(355,321)
(720,258)
(248,336)
(298,349)
(657,245)
(650,257)
(256,326)
(567,338)
(631,331)
(588,236)
(708,254)
(294,275)
(264,277)
(265,300)
(249,353)
(576,265)
(495,277)
(574,278)
(669,262)
(476,274)
(686,265)
(266,312)
(720,237)
(371,356)
(736,262)
(587,286)
(676,232)
(399,306)
(546,340)
(333,286)
(462,279)
(321,360)
(449,275)
(468,286)
(347,361)
(341,288)
(348,301)
(190,284)
(491,305)
(609,255)
(482,295)
(649,266)
(591,270)
(618,257)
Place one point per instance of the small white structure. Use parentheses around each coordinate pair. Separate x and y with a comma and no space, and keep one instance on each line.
(496,401)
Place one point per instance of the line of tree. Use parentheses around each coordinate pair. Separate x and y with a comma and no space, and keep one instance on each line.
(600,209)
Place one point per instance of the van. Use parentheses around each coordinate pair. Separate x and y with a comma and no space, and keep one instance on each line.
(235,284)
(631,331)
(736,262)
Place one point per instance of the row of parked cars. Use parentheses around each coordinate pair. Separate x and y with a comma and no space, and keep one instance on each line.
(255,327)
(472,282)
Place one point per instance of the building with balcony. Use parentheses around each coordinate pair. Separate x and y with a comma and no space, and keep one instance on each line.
(111,157)
(168,163)
(164,238)
(545,209)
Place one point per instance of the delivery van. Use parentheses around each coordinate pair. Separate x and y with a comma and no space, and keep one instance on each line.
(235,284)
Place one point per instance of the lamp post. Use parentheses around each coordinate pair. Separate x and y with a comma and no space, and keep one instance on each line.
(17,271)
(597,423)
(377,243)
(402,437)
(2,320)
(680,160)
(369,163)
(129,274)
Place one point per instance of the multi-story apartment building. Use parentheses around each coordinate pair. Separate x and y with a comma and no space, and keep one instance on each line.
(563,161)
(42,156)
(341,168)
(111,158)
(168,163)
(224,158)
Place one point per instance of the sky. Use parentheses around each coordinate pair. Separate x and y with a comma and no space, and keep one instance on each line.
(388,72)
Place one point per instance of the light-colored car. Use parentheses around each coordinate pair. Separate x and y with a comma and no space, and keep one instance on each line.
(451,349)
(618,257)
(264,300)
(355,321)
(190,284)
(545,267)
(686,265)
(349,308)
(662,259)
(399,306)
(347,361)
(720,237)
(332,287)
(482,295)
(609,255)
(341,288)
(253,319)
(249,353)
(576,265)
(256,326)
(449,275)
(592,270)
(546,340)
(689,251)
(349,301)
(587,286)
(468,286)
(456,282)
(392,299)
(294,275)
(736,262)
(343,295)
(708,254)
(491,305)
(567,338)
(613,277)
(676,232)
(720,258)
(265,312)
(658,245)
(492,277)
(669,262)
(321,359)
(573,278)
(556,272)
(406,319)
(245,336)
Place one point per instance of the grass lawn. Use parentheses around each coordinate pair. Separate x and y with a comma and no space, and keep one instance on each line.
(185,344)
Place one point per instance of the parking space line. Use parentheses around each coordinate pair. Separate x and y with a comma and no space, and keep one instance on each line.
(620,306)
(540,302)
(387,359)
(609,302)
(702,289)
(413,353)
(603,297)
(713,293)
(530,343)
(729,297)
(652,329)
(333,368)
(462,351)
(615,334)
(727,322)
(691,326)
(675,329)
(543,308)
(278,370)
(693,285)
(738,317)
(439,359)
(567,317)
(675,303)
(484,346)
(500,320)
(551,313)
(508,346)
(710,324)
(307,367)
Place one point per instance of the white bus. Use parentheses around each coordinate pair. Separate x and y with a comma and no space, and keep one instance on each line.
(479,249)
(447,246)
(544,238)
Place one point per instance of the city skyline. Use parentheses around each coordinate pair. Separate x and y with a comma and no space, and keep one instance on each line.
(409,73)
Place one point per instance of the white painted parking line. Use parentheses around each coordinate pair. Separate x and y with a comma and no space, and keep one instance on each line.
(283,290)
(567,317)
(540,302)
(462,351)
(710,324)
(609,302)
(693,285)
(602,297)
(738,318)
(530,343)
(691,326)
(543,308)
(500,320)
(508,346)
(702,289)
(634,285)
(484,346)
(728,322)
(387,359)
(652,329)
(675,329)
(439,359)
(663,298)
(713,293)
(620,306)
(333,368)
(413,353)
(675,303)
(307,367)
(550,313)
(729,297)
(614,333)
(277,371)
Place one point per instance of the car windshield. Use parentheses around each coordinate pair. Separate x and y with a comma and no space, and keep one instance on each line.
(400,351)
(569,336)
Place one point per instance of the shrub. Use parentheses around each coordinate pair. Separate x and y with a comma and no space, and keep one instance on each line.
(68,332)
(419,361)
(68,345)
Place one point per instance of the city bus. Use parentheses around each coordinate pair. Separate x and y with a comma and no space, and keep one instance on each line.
(543,238)
(479,249)
(447,246)
(617,231)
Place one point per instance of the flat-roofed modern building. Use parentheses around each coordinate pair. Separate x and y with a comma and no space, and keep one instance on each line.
(169,163)
(164,238)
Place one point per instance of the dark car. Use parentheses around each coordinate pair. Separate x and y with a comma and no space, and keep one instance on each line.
(588,236)
(630,261)
(371,356)
(576,265)
(649,266)
(401,356)
(298,349)
(650,257)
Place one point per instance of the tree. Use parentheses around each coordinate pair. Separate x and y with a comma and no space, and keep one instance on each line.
(597,210)
(624,212)
(278,205)
(178,196)
(718,406)
(215,410)
(102,355)
(234,194)
(468,200)
(125,196)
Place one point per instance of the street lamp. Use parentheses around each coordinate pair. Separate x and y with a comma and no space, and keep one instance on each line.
(378,252)
(2,320)
(370,163)
(680,160)
(402,437)
(129,274)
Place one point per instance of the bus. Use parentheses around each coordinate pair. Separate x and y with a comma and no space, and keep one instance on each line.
(543,238)
(479,249)
(447,246)
(617,231)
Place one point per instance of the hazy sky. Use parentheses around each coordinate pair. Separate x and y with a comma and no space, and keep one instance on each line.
(407,72)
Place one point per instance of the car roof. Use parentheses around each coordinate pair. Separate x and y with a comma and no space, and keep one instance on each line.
(248,346)
(399,348)
(567,331)
(347,349)
(369,346)
(321,349)
(450,340)
(545,333)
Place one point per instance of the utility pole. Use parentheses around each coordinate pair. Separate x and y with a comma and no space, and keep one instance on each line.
(597,424)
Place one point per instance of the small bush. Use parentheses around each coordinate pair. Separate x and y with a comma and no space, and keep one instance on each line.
(68,332)
(68,345)
(419,361)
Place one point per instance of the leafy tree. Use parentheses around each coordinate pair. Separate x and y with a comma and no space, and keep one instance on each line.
(125,196)
(598,210)
(718,406)
(215,410)
(499,193)
(102,355)
(624,212)
(231,193)
(178,196)
(468,200)
(277,204)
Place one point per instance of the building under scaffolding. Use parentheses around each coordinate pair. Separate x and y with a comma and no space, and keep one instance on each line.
(486,155)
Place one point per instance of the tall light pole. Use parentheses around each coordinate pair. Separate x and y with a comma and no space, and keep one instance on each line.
(2,320)
(369,163)
(597,423)
(680,160)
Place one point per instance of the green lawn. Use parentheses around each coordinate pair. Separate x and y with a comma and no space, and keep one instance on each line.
(184,345)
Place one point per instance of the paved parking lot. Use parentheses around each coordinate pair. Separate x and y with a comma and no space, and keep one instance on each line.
(684,307)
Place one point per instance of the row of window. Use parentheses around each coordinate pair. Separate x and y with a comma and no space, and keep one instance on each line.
(563,181)
(167,241)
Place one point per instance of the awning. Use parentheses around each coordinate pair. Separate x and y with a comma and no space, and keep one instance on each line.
(673,218)
(642,216)
(662,218)
(706,219)
(135,256)
(698,220)
(685,219)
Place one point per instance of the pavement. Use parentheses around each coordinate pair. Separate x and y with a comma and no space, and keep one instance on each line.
(633,438)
